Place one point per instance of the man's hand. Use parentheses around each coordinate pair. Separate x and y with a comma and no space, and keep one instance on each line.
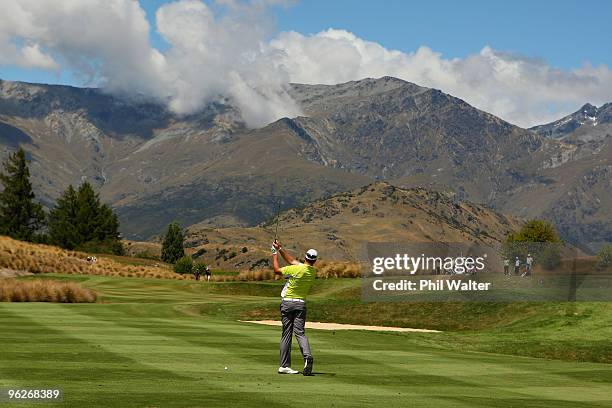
(276,247)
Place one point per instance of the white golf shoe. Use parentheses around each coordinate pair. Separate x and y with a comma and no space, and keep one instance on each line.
(287,370)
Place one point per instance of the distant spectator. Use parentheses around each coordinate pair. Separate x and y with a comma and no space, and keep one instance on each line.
(207,273)
(196,273)
(528,265)
(506,266)
(517,266)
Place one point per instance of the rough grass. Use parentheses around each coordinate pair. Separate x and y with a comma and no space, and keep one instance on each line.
(325,270)
(331,269)
(38,290)
(34,258)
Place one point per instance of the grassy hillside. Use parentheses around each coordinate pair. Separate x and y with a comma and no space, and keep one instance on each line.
(340,225)
(25,256)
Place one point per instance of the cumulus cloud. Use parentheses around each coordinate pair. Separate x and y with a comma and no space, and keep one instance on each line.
(210,56)
(107,42)
(230,54)
(524,91)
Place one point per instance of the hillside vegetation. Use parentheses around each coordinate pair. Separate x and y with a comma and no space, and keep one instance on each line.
(38,290)
(38,259)
(341,225)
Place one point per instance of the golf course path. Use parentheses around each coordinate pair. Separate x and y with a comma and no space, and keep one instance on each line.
(338,326)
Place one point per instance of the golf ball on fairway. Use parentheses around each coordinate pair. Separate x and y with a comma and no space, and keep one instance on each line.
(226,367)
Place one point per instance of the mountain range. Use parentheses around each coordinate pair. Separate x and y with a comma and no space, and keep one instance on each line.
(209,169)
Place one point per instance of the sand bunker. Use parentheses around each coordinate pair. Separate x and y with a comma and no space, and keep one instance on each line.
(338,326)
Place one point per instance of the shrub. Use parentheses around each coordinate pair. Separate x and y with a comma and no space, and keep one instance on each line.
(537,237)
(329,269)
(535,231)
(184,265)
(39,290)
(604,256)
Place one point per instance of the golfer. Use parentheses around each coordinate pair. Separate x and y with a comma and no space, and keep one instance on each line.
(300,277)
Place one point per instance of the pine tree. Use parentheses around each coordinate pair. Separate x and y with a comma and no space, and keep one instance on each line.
(80,221)
(87,216)
(20,217)
(172,247)
(62,221)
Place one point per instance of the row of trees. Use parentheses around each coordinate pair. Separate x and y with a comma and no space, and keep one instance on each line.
(78,221)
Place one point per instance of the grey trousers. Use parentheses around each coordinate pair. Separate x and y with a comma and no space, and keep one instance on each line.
(293,316)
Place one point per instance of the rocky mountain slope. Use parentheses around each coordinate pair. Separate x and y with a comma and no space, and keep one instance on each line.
(589,123)
(155,167)
(578,194)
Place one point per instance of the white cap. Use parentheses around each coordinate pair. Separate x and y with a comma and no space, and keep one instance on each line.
(311,254)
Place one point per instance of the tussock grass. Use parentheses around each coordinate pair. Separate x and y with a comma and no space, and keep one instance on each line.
(325,270)
(34,258)
(332,269)
(44,290)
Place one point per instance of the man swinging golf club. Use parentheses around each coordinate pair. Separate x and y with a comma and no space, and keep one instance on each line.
(300,277)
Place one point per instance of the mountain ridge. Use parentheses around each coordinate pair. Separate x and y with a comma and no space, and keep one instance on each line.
(155,167)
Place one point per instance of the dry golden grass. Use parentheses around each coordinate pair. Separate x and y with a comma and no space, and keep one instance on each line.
(39,290)
(332,269)
(24,256)
(325,270)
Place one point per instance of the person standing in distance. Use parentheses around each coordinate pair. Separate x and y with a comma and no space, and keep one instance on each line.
(517,266)
(528,265)
(300,277)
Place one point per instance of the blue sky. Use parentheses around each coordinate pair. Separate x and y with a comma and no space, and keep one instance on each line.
(565,34)
(528,62)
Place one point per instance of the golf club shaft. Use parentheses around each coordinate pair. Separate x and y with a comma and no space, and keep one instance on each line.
(277,219)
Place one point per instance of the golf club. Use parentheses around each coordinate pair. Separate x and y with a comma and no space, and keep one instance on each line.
(278,207)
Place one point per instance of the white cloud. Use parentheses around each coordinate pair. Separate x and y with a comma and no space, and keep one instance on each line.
(522,90)
(212,56)
(230,54)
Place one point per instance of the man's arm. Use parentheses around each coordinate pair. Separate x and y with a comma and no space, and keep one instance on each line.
(275,264)
(286,256)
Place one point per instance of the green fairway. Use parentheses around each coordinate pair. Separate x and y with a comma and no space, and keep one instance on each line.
(157,343)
